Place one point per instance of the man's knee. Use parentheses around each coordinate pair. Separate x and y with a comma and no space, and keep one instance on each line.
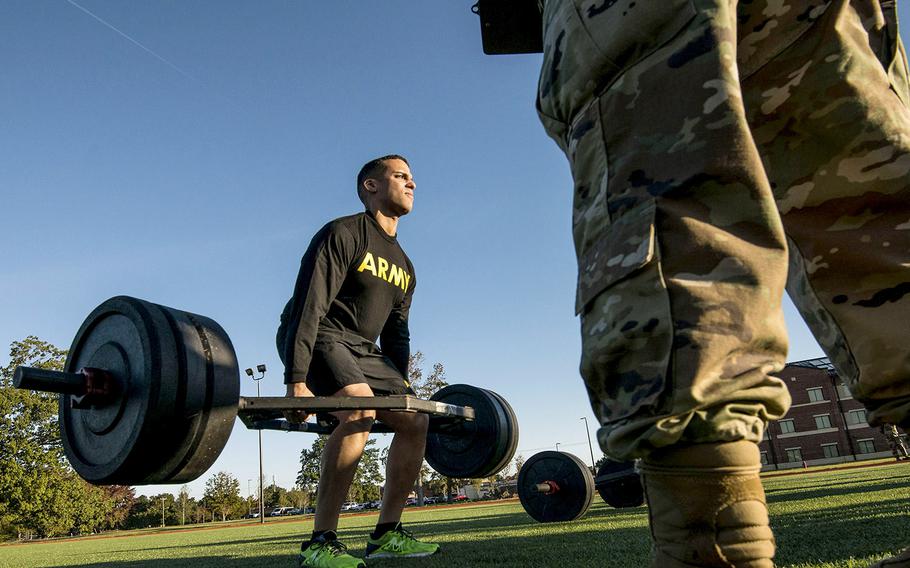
(414,424)
(421,423)
(355,420)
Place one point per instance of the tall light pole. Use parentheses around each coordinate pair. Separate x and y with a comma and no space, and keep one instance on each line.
(249,498)
(557,446)
(249,372)
(590,447)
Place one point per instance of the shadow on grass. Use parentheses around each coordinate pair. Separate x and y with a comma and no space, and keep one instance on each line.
(838,533)
(201,562)
(570,549)
(604,537)
(832,490)
(466,541)
(286,542)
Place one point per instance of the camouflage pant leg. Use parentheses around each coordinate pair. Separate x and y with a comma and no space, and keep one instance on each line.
(682,255)
(830,117)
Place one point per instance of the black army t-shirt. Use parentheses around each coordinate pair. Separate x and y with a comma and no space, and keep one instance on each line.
(354,287)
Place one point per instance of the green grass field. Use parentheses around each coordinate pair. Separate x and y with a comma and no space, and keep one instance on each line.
(846,518)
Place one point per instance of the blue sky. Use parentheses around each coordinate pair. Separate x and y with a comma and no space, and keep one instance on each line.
(185,153)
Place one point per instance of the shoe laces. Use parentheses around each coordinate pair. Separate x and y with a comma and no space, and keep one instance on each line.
(335,547)
(404,532)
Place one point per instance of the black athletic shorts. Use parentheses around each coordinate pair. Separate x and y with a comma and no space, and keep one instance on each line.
(347,359)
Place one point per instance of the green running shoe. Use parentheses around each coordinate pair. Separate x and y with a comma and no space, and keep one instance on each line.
(398,543)
(328,554)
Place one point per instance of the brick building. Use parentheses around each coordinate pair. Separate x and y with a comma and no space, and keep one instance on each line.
(824,425)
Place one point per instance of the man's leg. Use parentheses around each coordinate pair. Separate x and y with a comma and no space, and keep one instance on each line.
(340,458)
(682,256)
(830,116)
(390,540)
(682,262)
(405,456)
(831,121)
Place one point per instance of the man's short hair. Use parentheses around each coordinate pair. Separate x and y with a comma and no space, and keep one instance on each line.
(370,168)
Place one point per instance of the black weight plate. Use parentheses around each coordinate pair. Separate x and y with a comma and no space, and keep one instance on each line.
(210,389)
(619,484)
(573,479)
(112,444)
(470,449)
(507,451)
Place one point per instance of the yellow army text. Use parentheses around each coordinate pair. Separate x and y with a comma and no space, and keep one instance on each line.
(380,268)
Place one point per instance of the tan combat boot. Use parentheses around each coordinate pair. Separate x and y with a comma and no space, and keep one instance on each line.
(707,506)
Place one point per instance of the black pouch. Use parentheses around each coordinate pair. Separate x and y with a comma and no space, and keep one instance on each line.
(510,26)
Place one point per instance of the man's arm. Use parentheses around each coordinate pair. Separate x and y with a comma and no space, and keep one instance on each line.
(395,338)
(322,272)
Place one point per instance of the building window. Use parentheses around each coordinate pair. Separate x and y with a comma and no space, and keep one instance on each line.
(830,450)
(822,421)
(856,417)
(815,395)
(794,455)
(764,458)
(786,426)
(866,446)
(843,391)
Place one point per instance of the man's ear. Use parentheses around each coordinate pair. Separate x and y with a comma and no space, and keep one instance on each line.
(369,185)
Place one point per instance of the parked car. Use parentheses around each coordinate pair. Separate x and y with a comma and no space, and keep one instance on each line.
(279,511)
(410,502)
(349,506)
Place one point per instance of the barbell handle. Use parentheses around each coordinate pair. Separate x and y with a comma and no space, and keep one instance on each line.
(287,426)
(47,380)
(312,427)
(547,487)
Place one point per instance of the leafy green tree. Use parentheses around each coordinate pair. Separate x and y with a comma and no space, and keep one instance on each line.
(183,498)
(166,509)
(200,513)
(425,384)
(30,454)
(222,493)
(92,505)
(50,506)
(275,496)
(122,498)
(240,509)
(310,460)
(192,510)
(436,484)
(39,493)
(517,462)
(139,516)
(298,498)
(368,477)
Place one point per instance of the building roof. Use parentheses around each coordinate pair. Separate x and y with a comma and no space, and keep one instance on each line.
(820,363)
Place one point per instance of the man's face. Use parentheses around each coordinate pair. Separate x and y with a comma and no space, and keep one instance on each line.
(394,188)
